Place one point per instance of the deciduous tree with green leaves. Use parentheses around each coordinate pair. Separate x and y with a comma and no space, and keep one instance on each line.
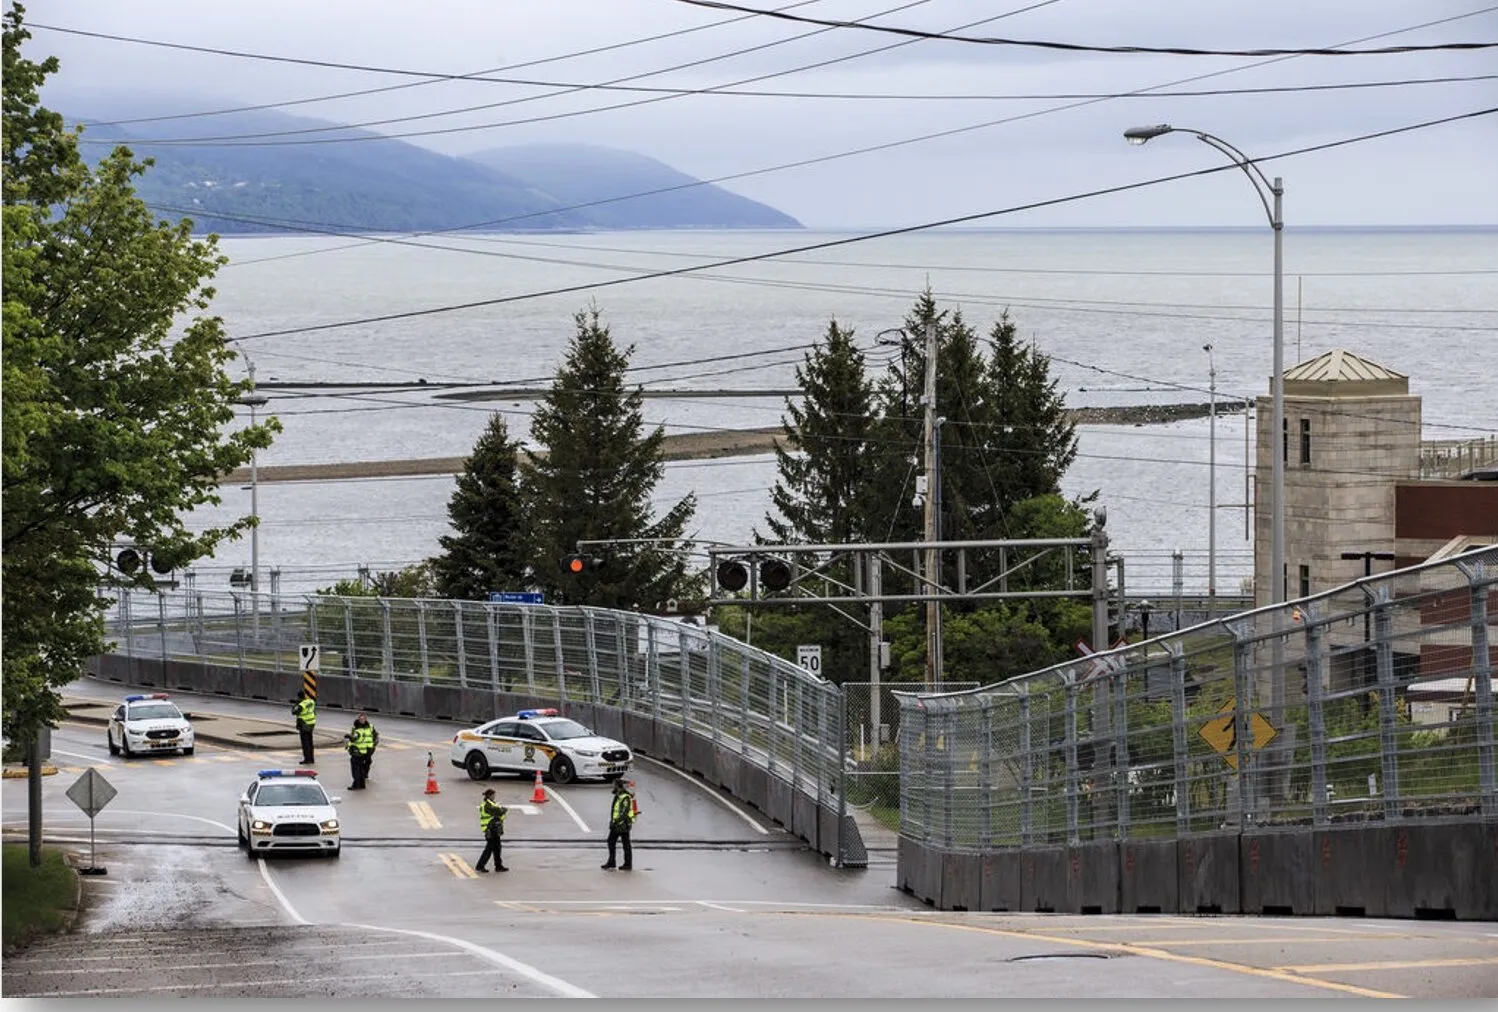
(591,478)
(116,395)
(485,551)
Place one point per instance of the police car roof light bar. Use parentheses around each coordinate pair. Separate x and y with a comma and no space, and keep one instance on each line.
(528,714)
(154,695)
(287,773)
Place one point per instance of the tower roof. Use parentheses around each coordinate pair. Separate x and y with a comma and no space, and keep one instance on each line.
(1340,373)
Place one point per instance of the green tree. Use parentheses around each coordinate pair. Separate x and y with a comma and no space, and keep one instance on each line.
(485,551)
(821,467)
(115,392)
(592,479)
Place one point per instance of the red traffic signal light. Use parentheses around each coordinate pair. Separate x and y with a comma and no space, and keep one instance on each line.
(579,564)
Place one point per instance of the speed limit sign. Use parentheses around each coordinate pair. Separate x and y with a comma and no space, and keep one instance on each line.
(809,656)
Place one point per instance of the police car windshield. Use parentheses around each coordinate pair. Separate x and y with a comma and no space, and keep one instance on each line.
(155,711)
(561,730)
(290,794)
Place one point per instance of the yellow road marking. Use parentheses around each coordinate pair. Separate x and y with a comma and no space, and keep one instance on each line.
(425,817)
(1279,974)
(164,762)
(1402,964)
(458,866)
(524,908)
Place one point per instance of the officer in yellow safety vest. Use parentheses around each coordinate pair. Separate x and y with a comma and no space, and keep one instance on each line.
(492,825)
(304,708)
(362,740)
(622,815)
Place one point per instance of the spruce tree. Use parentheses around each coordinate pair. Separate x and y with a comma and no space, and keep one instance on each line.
(821,467)
(591,479)
(485,551)
(1030,431)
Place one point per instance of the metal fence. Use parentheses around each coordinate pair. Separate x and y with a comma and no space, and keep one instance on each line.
(766,709)
(1372,702)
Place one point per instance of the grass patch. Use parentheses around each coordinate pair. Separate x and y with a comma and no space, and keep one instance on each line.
(34,899)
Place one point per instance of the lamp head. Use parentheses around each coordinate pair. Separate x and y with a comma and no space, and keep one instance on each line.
(1138,135)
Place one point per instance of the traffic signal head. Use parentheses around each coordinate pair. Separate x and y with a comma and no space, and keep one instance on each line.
(732,575)
(128,561)
(576,565)
(774,574)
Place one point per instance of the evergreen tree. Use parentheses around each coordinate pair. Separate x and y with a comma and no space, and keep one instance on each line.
(485,551)
(116,392)
(592,480)
(821,465)
(1031,433)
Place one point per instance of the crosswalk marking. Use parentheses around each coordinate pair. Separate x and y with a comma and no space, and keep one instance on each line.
(426,818)
(459,867)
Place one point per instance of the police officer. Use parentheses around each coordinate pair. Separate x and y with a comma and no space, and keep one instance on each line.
(304,708)
(362,740)
(492,825)
(622,816)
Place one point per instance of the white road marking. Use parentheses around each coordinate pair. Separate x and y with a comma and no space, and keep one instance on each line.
(91,758)
(239,984)
(499,959)
(570,811)
(278,894)
(735,809)
(719,906)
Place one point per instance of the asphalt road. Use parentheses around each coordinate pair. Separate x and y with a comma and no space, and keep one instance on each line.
(722,903)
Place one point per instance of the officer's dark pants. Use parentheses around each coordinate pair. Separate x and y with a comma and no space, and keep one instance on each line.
(492,842)
(359,763)
(305,733)
(617,836)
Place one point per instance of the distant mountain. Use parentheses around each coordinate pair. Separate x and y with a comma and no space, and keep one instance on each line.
(365,183)
(593,178)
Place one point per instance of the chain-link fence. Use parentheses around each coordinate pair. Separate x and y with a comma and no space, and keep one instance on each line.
(766,709)
(1370,702)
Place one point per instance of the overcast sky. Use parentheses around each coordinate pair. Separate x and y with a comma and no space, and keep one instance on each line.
(1440,175)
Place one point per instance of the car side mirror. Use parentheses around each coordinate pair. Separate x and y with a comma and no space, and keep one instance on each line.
(335,800)
(187,716)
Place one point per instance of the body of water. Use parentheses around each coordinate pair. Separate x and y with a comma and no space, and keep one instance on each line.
(1124,316)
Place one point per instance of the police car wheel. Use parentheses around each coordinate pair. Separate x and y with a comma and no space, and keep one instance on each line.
(562,770)
(189,750)
(335,851)
(240,838)
(125,744)
(477,766)
(113,748)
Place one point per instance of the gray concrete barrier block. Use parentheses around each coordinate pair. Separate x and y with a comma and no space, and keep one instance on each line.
(477,706)
(805,822)
(920,871)
(778,801)
(1444,871)
(669,746)
(608,722)
(1208,874)
(409,698)
(264,685)
(1046,881)
(961,881)
(639,733)
(727,769)
(1093,868)
(698,757)
(1148,878)
(907,853)
(827,832)
(754,786)
(1280,872)
(1000,886)
(441,701)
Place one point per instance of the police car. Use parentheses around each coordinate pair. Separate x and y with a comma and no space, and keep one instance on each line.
(144,725)
(288,811)
(539,740)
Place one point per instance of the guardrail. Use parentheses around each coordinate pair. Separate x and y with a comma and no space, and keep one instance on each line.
(749,721)
(1257,743)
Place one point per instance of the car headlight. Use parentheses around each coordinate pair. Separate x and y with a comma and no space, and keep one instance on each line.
(260,825)
(330,826)
(134,728)
(590,753)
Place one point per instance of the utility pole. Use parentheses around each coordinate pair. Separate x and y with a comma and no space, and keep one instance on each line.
(252,400)
(1212,486)
(933,555)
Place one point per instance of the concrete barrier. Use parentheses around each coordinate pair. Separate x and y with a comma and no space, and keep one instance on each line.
(920,872)
(1000,886)
(806,820)
(698,753)
(778,801)
(1147,881)
(669,746)
(1279,872)
(728,771)
(408,699)
(1046,882)
(1092,868)
(1208,877)
(1442,871)
(754,786)
(961,881)
(639,733)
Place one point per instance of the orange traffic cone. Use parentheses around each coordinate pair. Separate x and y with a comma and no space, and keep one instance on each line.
(539,794)
(432,787)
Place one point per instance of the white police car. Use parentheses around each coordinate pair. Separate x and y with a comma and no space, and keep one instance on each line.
(288,811)
(539,740)
(147,724)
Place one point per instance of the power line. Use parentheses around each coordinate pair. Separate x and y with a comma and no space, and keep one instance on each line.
(1077,47)
(850,240)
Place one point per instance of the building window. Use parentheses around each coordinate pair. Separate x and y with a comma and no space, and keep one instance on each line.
(1285,440)
(1305,581)
(1305,442)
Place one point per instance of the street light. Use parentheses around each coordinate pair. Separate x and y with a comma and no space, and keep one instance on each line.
(1211,483)
(252,400)
(1265,189)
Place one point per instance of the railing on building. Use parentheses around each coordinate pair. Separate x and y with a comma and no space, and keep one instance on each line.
(768,710)
(1369,703)
(1452,458)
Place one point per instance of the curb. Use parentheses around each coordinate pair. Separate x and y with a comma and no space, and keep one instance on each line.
(20,772)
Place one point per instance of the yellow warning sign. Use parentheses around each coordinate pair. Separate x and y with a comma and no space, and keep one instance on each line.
(1221,733)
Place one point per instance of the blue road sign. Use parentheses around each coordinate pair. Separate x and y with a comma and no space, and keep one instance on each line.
(516,597)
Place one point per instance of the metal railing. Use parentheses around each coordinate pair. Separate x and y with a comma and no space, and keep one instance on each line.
(1370,702)
(1452,458)
(763,707)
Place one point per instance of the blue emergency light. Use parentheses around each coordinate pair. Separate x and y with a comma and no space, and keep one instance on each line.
(286,773)
(154,695)
(528,714)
